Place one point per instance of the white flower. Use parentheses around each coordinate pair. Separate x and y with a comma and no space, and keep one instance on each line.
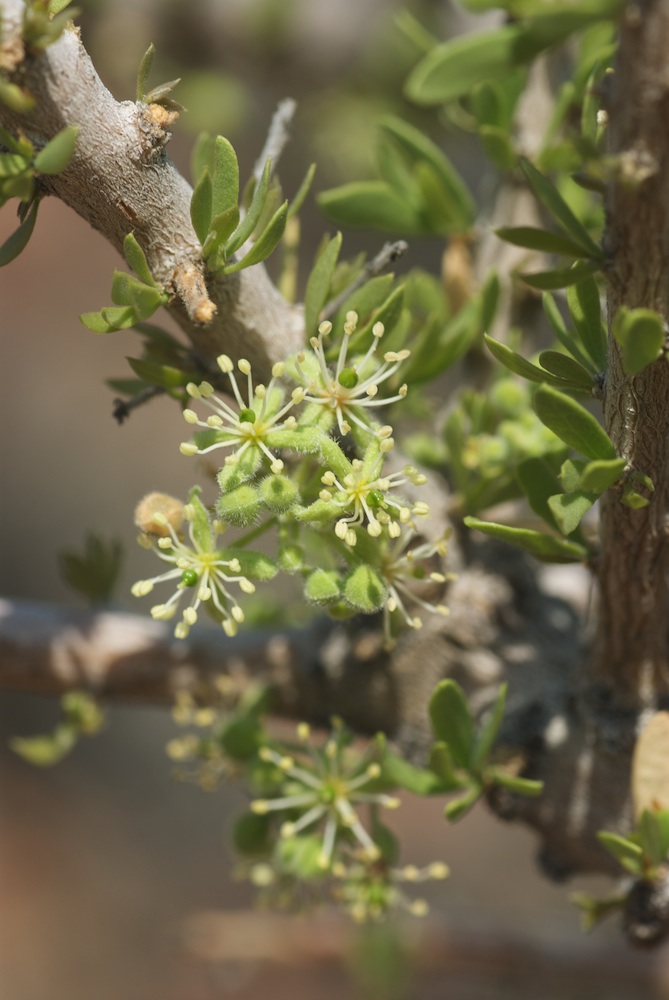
(352,387)
(199,567)
(248,426)
(367,493)
(403,570)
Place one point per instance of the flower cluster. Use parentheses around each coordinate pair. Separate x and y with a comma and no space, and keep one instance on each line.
(322,788)
(325,486)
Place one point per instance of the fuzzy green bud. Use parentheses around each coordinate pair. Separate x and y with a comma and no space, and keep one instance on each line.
(364,589)
(322,587)
(240,506)
(278,493)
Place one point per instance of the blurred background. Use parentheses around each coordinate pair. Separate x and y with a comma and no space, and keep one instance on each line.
(116,880)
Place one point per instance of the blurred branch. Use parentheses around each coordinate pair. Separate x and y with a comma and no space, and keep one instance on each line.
(277,136)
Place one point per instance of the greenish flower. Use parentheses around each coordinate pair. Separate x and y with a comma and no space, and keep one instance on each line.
(324,788)
(405,571)
(366,492)
(198,567)
(248,426)
(353,386)
(370,891)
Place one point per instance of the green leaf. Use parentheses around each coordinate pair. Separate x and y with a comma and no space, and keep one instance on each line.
(626,852)
(640,333)
(56,6)
(201,206)
(14,98)
(541,239)
(457,808)
(454,68)
(569,509)
(252,835)
(319,282)
(201,155)
(654,835)
(224,177)
(544,547)
(599,475)
(521,786)
(460,204)
(518,364)
(490,729)
(241,737)
(551,199)
(110,319)
(250,220)
(585,308)
(566,368)
(265,243)
(221,229)
(563,335)
(17,242)
(452,722)
(498,147)
(144,71)
(441,762)
(57,153)
(538,482)
(371,204)
(157,374)
(302,192)
(136,260)
(572,423)
(48,749)
(399,772)
(548,281)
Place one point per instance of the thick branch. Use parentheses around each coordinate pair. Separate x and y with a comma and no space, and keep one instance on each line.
(121,180)
(632,651)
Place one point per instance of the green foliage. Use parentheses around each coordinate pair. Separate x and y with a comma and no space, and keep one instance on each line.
(215,213)
(641,854)
(80,716)
(640,334)
(159,94)
(452,69)
(94,572)
(420,191)
(463,755)
(20,168)
(135,299)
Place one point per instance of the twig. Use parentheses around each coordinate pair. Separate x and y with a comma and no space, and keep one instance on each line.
(384,259)
(122,408)
(277,136)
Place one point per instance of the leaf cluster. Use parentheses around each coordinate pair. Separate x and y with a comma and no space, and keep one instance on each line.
(80,716)
(135,298)
(462,760)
